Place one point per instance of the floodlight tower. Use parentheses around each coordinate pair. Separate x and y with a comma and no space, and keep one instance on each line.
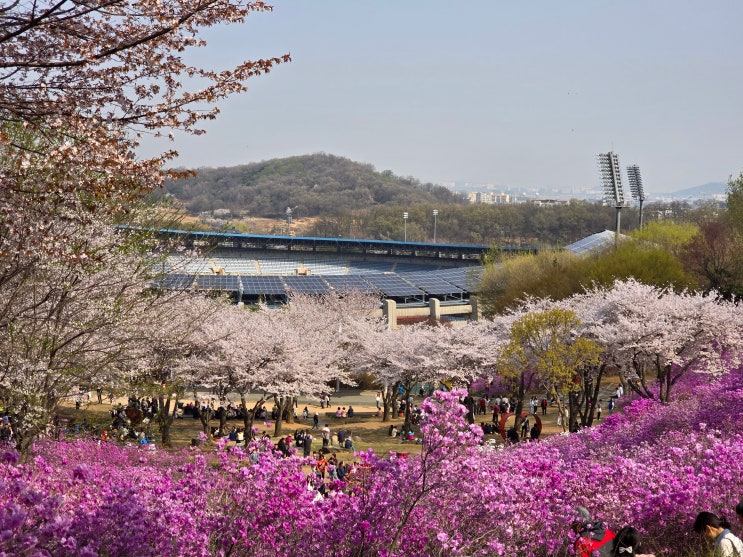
(611,178)
(635,186)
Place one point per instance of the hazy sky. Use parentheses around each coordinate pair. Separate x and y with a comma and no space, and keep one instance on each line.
(503,92)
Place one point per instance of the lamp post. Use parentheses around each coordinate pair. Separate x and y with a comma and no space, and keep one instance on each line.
(405,225)
(435,214)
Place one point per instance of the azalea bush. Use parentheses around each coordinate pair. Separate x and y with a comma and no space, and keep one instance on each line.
(652,466)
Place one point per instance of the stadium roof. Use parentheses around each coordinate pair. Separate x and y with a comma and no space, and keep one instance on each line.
(594,242)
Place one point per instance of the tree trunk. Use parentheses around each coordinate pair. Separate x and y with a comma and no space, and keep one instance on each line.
(222,421)
(249,416)
(592,388)
(282,404)
(520,395)
(407,426)
(574,408)
(205,417)
(560,409)
(24,439)
(388,400)
(165,418)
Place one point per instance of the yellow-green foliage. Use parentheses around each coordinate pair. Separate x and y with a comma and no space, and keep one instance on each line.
(545,344)
(548,273)
(559,274)
(654,266)
(668,235)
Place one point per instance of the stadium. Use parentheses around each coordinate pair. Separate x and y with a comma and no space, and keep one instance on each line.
(415,280)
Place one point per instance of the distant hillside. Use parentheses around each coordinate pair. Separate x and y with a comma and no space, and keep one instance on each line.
(310,185)
(699,192)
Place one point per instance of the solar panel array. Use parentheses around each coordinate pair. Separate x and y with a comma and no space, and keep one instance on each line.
(256,285)
(446,284)
(394,286)
(349,283)
(306,284)
(217,282)
(432,284)
(465,278)
(175,281)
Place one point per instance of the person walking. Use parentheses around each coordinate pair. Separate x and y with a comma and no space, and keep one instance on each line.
(325,432)
(307,444)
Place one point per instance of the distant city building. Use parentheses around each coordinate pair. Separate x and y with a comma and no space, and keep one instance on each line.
(479,197)
(541,202)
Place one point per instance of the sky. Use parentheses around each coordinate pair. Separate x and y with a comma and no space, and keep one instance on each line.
(508,93)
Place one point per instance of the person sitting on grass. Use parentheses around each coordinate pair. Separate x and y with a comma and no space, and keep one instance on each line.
(348,444)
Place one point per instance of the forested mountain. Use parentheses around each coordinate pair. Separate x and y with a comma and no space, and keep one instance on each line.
(311,185)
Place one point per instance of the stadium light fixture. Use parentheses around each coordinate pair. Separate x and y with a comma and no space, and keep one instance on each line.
(405,225)
(611,179)
(634,178)
(435,214)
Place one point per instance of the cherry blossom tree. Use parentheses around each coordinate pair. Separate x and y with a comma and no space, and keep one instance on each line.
(69,327)
(399,359)
(240,359)
(80,84)
(657,336)
(281,353)
(181,334)
(314,345)
(473,352)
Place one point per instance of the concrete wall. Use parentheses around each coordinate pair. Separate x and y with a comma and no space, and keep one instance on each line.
(393,313)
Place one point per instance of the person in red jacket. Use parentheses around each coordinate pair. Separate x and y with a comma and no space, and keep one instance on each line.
(593,535)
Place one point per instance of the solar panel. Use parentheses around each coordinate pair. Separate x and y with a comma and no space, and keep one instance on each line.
(217,282)
(306,284)
(592,242)
(393,285)
(431,283)
(348,283)
(466,278)
(258,284)
(174,281)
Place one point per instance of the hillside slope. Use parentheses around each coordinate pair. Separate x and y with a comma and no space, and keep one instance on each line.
(310,185)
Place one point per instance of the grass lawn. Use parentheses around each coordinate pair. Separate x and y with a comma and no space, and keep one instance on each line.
(368,431)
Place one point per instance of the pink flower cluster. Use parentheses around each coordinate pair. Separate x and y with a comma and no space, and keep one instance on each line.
(652,466)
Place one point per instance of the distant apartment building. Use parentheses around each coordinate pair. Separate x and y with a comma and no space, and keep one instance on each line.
(489,198)
(545,202)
